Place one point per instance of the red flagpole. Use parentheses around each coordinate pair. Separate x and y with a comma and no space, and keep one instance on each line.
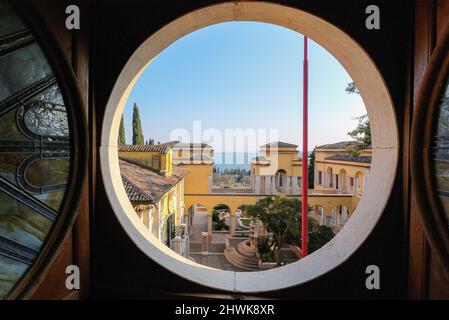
(305,153)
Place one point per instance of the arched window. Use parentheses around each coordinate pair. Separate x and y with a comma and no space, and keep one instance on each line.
(343,180)
(281,177)
(38,148)
(430,152)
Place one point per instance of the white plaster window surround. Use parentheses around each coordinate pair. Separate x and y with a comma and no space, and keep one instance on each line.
(384,159)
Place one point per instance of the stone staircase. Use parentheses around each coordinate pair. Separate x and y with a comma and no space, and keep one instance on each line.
(243,256)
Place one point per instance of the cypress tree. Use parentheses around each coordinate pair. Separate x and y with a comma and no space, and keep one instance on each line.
(137,127)
(311,171)
(121,133)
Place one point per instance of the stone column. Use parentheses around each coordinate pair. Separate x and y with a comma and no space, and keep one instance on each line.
(344,213)
(177,244)
(146,218)
(232,223)
(257,184)
(324,175)
(267,185)
(184,229)
(204,243)
(322,216)
(349,187)
(294,185)
(209,226)
(337,218)
(185,233)
(365,178)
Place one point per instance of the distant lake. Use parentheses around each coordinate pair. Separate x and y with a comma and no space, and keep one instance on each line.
(236,160)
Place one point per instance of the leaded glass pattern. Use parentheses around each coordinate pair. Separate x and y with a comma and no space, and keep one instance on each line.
(35,149)
(441,149)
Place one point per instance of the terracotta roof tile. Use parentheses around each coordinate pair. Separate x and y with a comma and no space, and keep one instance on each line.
(280,144)
(340,145)
(162,148)
(362,159)
(144,184)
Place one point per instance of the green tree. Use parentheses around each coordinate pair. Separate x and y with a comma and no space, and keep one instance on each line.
(311,170)
(137,127)
(281,216)
(121,133)
(362,133)
(318,237)
(351,88)
(362,136)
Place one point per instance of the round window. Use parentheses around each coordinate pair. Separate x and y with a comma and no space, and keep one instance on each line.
(376,189)
(430,151)
(37,156)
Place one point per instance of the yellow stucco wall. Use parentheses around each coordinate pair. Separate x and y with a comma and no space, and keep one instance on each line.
(321,154)
(165,159)
(355,203)
(342,168)
(194,188)
(197,181)
(211,200)
(233,201)
(329,202)
(350,168)
(289,162)
(142,156)
(166,163)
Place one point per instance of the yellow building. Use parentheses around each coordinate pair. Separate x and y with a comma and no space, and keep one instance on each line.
(193,152)
(179,177)
(341,175)
(155,188)
(277,169)
(336,170)
(198,159)
(277,156)
(158,157)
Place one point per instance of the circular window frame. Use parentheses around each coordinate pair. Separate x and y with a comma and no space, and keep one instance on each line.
(385,146)
(422,168)
(66,80)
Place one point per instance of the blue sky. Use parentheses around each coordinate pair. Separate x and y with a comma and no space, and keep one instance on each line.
(244,75)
